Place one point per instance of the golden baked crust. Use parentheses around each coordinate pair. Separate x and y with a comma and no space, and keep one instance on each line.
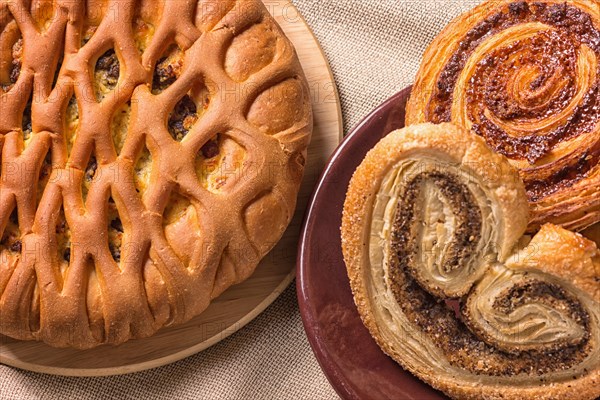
(432,216)
(157,161)
(563,253)
(525,75)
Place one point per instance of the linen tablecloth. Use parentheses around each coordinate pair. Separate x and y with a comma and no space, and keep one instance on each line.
(374,47)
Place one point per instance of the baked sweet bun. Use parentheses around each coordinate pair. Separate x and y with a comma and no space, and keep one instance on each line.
(152,152)
(525,75)
(430,226)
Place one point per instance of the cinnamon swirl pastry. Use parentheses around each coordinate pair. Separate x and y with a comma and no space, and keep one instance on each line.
(430,224)
(525,75)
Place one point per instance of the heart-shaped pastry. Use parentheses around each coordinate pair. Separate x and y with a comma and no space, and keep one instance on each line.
(432,237)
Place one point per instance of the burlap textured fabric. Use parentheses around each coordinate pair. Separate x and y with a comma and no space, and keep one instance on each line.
(374,47)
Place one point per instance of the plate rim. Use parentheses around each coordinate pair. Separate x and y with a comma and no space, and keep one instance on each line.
(338,381)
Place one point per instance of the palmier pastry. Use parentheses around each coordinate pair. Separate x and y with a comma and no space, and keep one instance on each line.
(430,226)
(525,75)
(152,152)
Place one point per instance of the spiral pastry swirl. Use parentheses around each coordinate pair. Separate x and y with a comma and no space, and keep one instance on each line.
(430,225)
(525,75)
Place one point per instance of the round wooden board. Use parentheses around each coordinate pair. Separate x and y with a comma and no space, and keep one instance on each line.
(240,304)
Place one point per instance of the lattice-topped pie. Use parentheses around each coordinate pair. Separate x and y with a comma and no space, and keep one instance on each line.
(152,153)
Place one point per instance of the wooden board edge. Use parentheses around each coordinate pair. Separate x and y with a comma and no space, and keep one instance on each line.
(263,305)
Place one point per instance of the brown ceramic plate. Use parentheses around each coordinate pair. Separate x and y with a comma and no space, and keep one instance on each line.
(350,358)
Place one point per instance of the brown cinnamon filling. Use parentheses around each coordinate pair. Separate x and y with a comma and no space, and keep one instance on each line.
(107,71)
(438,321)
(182,118)
(26,123)
(109,63)
(576,166)
(211,148)
(167,69)
(165,74)
(64,243)
(90,170)
(553,56)
(467,229)
(11,236)
(542,293)
(557,63)
(17,62)
(115,231)
(538,292)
